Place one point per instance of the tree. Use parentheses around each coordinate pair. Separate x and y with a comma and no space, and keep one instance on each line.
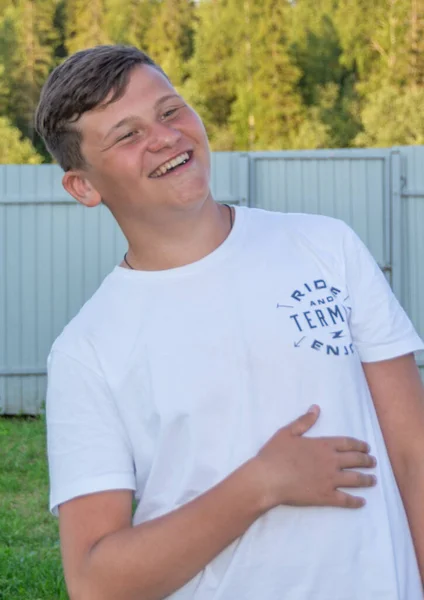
(170,38)
(211,88)
(85,24)
(315,46)
(269,107)
(312,132)
(27,44)
(128,22)
(14,149)
(374,37)
(327,86)
(393,118)
(415,43)
(383,41)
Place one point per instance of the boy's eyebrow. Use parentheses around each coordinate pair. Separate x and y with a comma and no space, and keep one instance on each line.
(131,118)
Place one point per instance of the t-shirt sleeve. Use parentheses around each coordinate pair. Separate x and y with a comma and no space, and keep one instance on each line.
(379,326)
(88,449)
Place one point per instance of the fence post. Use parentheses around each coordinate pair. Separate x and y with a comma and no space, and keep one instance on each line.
(243,178)
(397,184)
(252,201)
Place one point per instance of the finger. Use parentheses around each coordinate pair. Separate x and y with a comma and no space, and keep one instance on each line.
(347,501)
(349,444)
(353,460)
(305,422)
(355,479)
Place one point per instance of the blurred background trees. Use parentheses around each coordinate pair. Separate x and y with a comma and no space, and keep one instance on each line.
(263,74)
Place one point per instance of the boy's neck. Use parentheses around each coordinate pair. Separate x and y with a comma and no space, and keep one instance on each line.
(183,242)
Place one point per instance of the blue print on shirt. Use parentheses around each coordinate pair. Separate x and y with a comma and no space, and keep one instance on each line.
(320,318)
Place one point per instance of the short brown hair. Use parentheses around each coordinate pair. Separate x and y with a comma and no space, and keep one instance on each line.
(82,82)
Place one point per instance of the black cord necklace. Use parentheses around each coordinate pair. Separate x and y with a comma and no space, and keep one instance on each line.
(231,226)
(126,261)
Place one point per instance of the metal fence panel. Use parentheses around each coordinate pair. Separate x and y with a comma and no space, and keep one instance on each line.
(412,237)
(352,185)
(54,253)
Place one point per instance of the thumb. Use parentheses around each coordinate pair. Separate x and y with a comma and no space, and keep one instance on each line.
(306,421)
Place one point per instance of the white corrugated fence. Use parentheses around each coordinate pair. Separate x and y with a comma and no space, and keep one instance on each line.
(54,253)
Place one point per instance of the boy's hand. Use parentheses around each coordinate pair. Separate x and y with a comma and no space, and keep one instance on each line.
(302,471)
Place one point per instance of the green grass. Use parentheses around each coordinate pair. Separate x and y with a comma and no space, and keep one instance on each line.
(30,564)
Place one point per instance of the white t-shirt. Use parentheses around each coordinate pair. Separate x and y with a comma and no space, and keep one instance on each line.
(167,381)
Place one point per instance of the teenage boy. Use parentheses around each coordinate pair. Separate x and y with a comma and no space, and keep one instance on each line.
(188,378)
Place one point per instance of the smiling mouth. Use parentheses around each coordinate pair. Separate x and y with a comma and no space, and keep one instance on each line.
(172,165)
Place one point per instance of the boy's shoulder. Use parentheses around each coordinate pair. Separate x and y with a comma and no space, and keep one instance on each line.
(307,223)
(317,234)
(100,326)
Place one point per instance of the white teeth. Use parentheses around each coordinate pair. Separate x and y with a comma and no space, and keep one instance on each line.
(184,157)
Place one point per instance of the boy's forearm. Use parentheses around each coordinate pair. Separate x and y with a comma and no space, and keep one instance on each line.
(411,484)
(153,559)
(398,395)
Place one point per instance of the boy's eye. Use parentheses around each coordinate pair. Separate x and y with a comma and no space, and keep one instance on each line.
(169,113)
(127,135)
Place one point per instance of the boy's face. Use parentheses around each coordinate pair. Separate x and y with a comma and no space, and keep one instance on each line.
(128,145)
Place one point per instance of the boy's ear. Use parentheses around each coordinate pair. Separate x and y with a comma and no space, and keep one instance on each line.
(76,184)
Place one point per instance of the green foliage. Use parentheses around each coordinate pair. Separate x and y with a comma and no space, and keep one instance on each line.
(383,44)
(383,41)
(169,38)
(326,84)
(393,118)
(315,46)
(85,24)
(270,81)
(312,132)
(27,44)
(415,43)
(211,87)
(358,25)
(263,74)
(244,79)
(128,22)
(13,149)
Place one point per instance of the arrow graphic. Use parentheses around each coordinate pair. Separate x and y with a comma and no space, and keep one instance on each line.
(299,342)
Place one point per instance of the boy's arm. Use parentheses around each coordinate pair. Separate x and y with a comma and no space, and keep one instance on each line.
(398,396)
(105,558)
